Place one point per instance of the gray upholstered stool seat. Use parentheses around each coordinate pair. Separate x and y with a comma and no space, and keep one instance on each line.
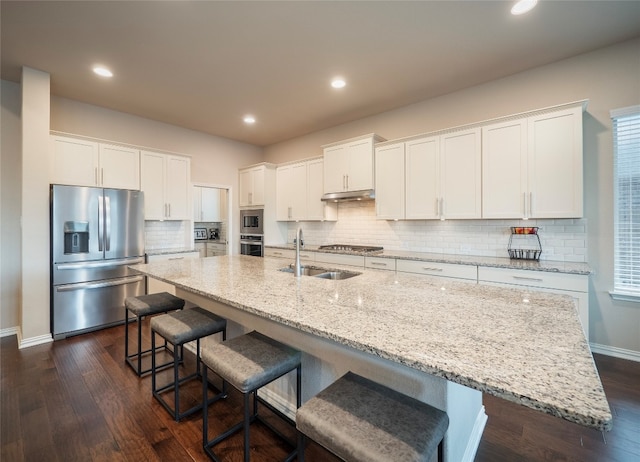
(248,363)
(179,328)
(363,421)
(141,306)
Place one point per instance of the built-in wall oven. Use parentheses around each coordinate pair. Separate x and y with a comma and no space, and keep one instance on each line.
(251,244)
(251,232)
(251,221)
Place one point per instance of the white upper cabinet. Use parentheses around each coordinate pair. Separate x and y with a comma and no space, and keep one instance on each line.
(166,182)
(504,170)
(422,176)
(252,185)
(317,209)
(390,181)
(442,174)
(206,204)
(299,189)
(291,192)
(555,164)
(86,163)
(532,166)
(348,166)
(461,175)
(119,167)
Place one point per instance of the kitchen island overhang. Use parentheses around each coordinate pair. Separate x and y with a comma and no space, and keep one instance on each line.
(529,350)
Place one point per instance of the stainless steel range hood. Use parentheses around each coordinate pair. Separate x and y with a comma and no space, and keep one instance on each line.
(363,195)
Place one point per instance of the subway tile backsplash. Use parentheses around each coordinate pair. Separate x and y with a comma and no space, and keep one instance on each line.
(166,235)
(561,239)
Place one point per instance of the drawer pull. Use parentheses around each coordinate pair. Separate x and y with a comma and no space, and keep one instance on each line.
(378,263)
(176,258)
(528,279)
(277,253)
(426,268)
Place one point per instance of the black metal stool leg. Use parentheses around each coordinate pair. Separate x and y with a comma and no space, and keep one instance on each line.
(247,421)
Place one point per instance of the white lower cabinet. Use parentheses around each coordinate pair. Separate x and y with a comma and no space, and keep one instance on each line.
(215,249)
(574,285)
(340,259)
(155,286)
(446,270)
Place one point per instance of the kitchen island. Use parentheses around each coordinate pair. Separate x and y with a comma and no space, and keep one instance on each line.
(443,342)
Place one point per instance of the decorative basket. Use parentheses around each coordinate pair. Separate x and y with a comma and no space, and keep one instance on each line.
(524,243)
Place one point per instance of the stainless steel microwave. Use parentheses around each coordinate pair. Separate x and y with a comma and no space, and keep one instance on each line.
(251,221)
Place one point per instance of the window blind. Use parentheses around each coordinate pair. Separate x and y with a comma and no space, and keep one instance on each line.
(626,149)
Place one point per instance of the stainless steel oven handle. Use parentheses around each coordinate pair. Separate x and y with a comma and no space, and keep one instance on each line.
(99,264)
(99,285)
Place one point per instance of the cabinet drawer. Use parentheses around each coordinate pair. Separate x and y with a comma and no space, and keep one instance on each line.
(351,260)
(380,263)
(438,269)
(542,279)
(288,253)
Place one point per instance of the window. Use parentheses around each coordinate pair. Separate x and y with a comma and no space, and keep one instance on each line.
(626,153)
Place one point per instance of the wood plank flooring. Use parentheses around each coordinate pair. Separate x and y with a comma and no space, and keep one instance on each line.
(76,400)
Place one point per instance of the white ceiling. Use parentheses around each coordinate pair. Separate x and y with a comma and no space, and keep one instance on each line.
(203,65)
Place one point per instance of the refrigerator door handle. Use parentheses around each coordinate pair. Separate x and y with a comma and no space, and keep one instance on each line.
(107,220)
(99,285)
(99,264)
(100,222)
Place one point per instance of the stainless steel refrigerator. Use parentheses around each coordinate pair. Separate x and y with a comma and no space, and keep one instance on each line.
(95,234)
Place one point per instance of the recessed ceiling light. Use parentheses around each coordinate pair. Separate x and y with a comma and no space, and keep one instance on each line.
(248,119)
(102,71)
(338,83)
(523,6)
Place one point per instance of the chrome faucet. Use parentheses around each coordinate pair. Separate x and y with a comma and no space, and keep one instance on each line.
(298,267)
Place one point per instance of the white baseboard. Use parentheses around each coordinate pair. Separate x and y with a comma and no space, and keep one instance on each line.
(476,436)
(33,341)
(8,331)
(621,353)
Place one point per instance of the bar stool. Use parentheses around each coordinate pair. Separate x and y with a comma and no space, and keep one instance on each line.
(141,306)
(179,328)
(363,421)
(248,363)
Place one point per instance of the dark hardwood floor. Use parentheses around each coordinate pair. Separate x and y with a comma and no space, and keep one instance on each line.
(75,400)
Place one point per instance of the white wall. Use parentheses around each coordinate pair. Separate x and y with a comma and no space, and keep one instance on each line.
(609,78)
(10,204)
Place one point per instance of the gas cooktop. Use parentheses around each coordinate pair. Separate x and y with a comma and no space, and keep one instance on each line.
(364,249)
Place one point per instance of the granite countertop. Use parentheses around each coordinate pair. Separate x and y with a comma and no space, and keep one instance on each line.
(496,262)
(488,338)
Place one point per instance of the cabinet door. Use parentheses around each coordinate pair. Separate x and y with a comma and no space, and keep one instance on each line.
(504,170)
(283,192)
(257,179)
(178,185)
(210,204)
(336,164)
(422,174)
(152,180)
(74,162)
(360,172)
(197,203)
(316,208)
(119,167)
(245,187)
(555,164)
(461,175)
(299,191)
(390,188)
